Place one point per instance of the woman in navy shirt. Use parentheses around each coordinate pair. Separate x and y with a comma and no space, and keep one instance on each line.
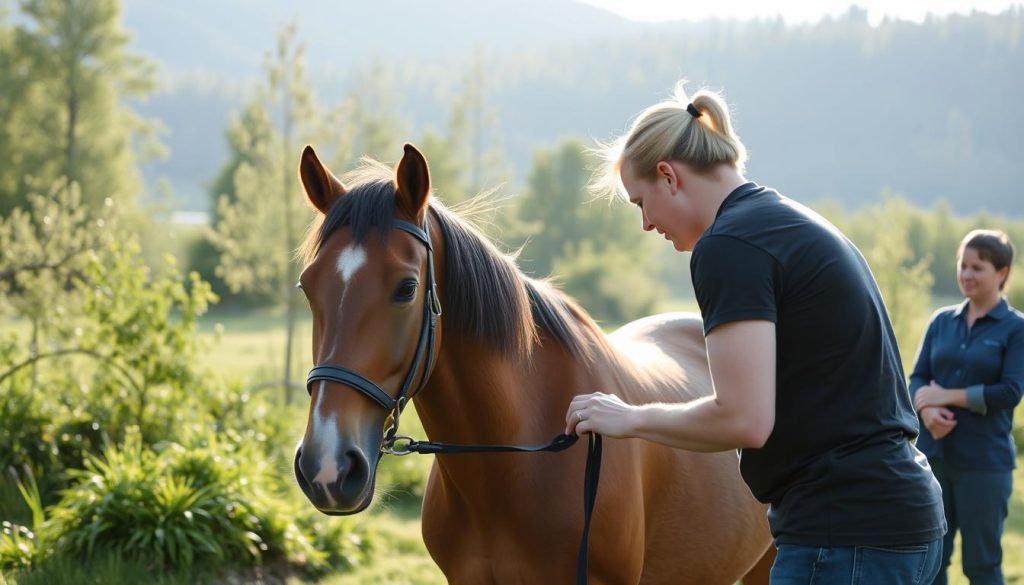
(966,383)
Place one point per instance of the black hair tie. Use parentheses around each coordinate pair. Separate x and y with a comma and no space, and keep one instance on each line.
(693,111)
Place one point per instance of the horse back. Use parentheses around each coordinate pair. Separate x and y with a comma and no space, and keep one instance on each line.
(667,356)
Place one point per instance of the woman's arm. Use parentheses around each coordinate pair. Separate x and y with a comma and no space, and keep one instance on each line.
(935,395)
(1007,392)
(921,375)
(980,397)
(740,413)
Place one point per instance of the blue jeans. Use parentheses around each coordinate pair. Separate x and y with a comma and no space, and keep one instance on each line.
(903,564)
(976,504)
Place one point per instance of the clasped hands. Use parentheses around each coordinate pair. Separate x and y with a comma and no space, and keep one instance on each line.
(931,401)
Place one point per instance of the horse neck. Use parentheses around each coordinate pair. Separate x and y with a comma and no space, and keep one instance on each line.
(478,396)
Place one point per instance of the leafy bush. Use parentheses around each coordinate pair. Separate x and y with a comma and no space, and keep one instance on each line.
(38,433)
(22,546)
(209,502)
(124,503)
(26,434)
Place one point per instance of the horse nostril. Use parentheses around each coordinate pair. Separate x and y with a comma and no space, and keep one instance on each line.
(354,474)
(299,475)
(305,473)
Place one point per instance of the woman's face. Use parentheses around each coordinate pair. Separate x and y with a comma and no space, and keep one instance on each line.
(978,278)
(663,206)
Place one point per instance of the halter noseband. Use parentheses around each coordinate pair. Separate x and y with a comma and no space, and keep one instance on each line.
(424,347)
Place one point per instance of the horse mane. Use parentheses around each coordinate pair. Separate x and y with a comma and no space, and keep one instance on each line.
(486,295)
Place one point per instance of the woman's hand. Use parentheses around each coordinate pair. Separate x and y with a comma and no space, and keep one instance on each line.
(938,420)
(932,395)
(604,414)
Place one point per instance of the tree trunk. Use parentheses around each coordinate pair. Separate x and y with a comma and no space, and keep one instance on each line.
(292,317)
(34,351)
(289,236)
(70,145)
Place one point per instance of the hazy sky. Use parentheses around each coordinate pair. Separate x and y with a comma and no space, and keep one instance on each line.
(792,11)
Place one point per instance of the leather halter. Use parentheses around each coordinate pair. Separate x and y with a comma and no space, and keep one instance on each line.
(424,349)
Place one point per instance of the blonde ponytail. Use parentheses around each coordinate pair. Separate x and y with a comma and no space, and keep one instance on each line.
(668,131)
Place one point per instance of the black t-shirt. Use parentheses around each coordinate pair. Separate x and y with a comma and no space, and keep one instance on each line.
(839,468)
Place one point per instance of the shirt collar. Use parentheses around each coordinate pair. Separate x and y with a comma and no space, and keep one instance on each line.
(737,194)
(997,312)
(1000,310)
(961,308)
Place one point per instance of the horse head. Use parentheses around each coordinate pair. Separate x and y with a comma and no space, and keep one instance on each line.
(369,280)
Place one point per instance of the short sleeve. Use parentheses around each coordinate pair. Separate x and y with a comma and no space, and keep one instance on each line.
(734,281)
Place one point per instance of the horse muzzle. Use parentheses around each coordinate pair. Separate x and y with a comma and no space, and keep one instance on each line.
(339,484)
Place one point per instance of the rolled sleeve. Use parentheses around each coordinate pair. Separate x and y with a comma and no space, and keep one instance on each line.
(976,399)
(1007,392)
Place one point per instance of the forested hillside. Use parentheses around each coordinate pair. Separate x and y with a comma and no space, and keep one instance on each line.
(929,101)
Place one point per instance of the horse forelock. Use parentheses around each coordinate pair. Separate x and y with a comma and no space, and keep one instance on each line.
(486,297)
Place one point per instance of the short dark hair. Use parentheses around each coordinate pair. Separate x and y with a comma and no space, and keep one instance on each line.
(992,246)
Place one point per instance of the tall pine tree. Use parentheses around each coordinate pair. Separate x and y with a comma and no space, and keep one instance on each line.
(261,220)
(65,102)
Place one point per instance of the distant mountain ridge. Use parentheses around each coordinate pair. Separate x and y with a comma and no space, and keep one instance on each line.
(838,110)
(231,36)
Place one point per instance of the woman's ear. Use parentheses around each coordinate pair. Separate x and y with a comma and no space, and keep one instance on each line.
(666,172)
(1004,275)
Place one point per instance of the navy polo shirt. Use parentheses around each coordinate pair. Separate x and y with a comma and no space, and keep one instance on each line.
(839,468)
(987,360)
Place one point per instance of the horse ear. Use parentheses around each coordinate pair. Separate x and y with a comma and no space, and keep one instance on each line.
(413,179)
(322,187)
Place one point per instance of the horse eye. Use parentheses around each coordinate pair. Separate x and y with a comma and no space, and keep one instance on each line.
(406,291)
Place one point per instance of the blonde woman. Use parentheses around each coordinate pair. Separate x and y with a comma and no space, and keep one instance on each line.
(967,380)
(806,373)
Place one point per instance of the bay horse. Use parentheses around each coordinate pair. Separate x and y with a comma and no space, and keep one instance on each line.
(511,352)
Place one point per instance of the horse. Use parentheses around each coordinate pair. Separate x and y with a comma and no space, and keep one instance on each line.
(500,367)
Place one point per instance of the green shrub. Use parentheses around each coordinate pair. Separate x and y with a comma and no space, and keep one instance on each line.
(23,546)
(41,431)
(208,502)
(343,547)
(106,568)
(131,502)
(26,435)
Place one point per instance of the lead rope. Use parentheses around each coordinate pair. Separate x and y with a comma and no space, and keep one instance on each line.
(591,476)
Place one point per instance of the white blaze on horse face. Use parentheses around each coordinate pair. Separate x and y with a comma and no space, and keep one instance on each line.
(351,259)
(325,435)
